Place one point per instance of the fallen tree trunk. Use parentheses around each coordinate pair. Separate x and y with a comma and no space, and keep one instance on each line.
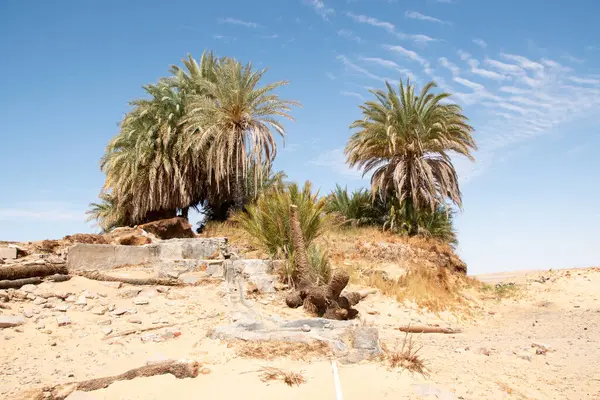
(17,283)
(12,272)
(98,276)
(320,300)
(179,369)
(427,329)
(140,330)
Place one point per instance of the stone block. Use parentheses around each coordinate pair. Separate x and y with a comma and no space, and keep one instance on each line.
(9,253)
(107,256)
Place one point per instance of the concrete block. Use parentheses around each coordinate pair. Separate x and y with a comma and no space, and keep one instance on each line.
(196,249)
(84,256)
(8,253)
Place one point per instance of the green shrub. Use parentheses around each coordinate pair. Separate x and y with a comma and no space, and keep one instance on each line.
(268,223)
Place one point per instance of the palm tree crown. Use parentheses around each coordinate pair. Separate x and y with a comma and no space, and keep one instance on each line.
(406,141)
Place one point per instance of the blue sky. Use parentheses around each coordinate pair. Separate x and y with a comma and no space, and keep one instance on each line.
(526,72)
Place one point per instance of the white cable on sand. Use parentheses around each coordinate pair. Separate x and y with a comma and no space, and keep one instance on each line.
(336,382)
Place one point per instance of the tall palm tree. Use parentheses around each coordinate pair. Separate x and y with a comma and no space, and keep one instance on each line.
(234,119)
(406,140)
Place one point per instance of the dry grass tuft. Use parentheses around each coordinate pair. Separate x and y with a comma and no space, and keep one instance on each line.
(291,378)
(270,350)
(407,357)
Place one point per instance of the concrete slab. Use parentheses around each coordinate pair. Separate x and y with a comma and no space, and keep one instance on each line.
(8,253)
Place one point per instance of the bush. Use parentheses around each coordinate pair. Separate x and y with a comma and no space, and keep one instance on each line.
(356,209)
(267,221)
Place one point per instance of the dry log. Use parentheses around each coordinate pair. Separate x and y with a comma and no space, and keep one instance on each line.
(12,272)
(132,331)
(300,257)
(180,369)
(17,283)
(98,276)
(427,329)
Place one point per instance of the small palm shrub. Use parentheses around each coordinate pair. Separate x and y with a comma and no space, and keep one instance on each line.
(267,221)
(357,208)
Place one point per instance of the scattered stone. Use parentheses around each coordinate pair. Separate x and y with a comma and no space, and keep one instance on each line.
(81,301)
(53,344)
(89,294)
(148,292)
(151,337)
(63,320)
(47,331)
(28,314)
(39,301)
(114,285)
(119,311)
(483,351)
(524,356)
(104,322)
(107,331)
(61,307)
(129,293)
(459,350)
(71,299)
(19,330)
(98,310)
(140,301)
(8,253)
(541,348)
(30,296)
(28,288)
(305,328)
(19,295)
(9,321)
(162,289)
(171,333)
(134,320)
(205,371)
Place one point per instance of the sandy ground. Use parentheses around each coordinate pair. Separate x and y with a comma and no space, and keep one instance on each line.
(492,358)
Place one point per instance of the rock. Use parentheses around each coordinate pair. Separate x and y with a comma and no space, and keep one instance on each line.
(114,285)
(104,322)
(119,311)
(459,350)
(81,301)
(171,333)
(19,295)
(541,348)
(107,331)
(305,328)
(524,355)
(88,294)
(28,288)
(61,307)
(140,301)
(53,344)
(39,301)
(28,314)
(8,253)
(129,293)
(483,351)
(171,228)
(372,312)
(71,299)
(98,310)
(9,321)
(148,292)
(31,296)
(134,320)
(162,289)
(63,320)
(151,337)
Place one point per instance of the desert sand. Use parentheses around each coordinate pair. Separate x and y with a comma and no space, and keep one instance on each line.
(538,343)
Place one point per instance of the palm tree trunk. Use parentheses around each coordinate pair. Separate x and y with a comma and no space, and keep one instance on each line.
(185,212)
(239,190)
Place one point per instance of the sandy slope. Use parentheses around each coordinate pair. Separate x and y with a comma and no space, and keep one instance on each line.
(562,313)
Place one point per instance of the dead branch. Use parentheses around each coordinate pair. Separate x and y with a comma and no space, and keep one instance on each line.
(179,369)
(17,283)
(98,276)
(427,329)
(132,331)
(13,272)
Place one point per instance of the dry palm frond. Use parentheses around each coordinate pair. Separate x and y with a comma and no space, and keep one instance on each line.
(291,378)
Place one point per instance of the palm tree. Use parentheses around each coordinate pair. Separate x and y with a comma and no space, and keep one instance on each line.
(108,214)
(233,121)
(406,140)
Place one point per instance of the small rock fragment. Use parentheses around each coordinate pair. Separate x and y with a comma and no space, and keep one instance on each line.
(98,310)
(39,301)
(119,311)
(61,307)
(134,320)
(63,320)
(81,301)
(71,299)
(524,356)
(28,288)
(114,285)
(129,293)
(28,314)
(9,321)
(104,322)
(140,301)
(305,328)
(31,296)
(107,331)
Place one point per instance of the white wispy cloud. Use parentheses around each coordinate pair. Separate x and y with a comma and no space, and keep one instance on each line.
(408,54)
(589,81)
(320,8)
(446,1)
(417,38)
(43,212)
(523,62)
(487,74)
(330,76)
(480,42)
(463,55)
(380,61)
(450,66)
(468,83)
(504,67)
(356,68)
(348,34)
(273,36)
(572,58)
(353,94)
(363,19)
(336,160)
(234,21)
(423,17)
